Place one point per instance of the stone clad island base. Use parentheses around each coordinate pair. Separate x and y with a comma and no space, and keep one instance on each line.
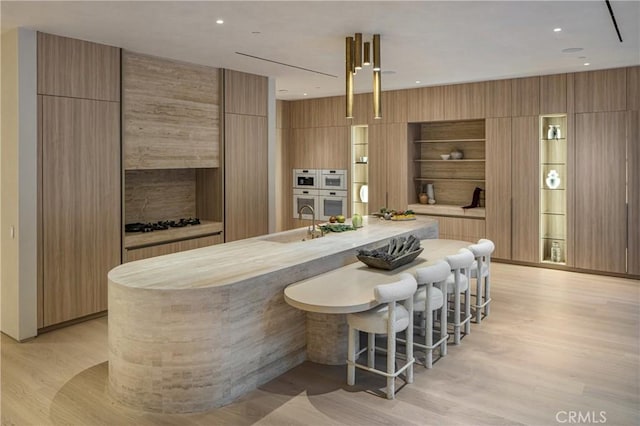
(195,330)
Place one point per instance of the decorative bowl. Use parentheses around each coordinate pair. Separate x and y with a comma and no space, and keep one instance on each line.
(445,156)
(456,155)
(378,263)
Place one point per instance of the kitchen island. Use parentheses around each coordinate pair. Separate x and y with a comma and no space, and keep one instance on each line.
(194,330)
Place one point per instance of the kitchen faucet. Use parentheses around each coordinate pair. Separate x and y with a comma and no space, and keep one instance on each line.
(312,230)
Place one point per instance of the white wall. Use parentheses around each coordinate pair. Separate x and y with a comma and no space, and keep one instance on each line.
(18,208)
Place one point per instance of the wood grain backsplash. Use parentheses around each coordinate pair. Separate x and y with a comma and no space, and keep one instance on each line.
(163,194)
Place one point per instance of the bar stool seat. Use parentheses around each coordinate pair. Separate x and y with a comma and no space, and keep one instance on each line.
(389,318)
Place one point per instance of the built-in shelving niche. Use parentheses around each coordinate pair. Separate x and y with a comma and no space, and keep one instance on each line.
(553,194)
(454,180)
(360,170)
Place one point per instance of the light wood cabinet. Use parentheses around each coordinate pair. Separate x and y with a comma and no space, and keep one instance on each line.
(80,205)
(464,101)
(323,112)
(498,98)
(633,167)
(455,228)
(320,148)
(171,114)
(498,184)
(246,177)
(388,172)
(78,69)
(173,247)
(633,88)
(362,109)
(394,107)
(598,91)
(525,189)
(249,93)
(525,96)
(425,104)
(553,94)
(600,205)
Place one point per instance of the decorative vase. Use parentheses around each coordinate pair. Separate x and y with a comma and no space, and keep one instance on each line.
(553,179)
(423,198)
(555,252)
(551,133)
(430,194)
(558,135)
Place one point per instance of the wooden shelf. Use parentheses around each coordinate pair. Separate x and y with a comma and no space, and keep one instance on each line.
(449,140)
(471,160)
(447,210)
(424,179)
(144,239)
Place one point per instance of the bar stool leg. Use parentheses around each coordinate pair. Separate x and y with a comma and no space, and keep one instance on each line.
(479,299)
(371,350)
(456,317)
(391,366)
(487,295)
(467,309)
(428,361)
(443,328)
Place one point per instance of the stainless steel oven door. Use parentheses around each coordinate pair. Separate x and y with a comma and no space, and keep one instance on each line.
(332,203)
(333,179)
(306,178)
(302,197)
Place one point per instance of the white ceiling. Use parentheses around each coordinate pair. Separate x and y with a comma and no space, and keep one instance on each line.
(433,42)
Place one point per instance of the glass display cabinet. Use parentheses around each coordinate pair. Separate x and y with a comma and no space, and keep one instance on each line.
(553,194)
(360,170)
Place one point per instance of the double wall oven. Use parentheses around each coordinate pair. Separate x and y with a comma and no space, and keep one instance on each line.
(324,190)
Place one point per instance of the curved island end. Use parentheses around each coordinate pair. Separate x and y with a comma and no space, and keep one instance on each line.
(193,331)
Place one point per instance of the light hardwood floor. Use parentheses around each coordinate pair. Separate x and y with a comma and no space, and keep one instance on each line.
(555,342)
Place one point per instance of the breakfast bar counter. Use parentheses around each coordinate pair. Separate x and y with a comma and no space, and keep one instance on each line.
(194,330)
(355,283)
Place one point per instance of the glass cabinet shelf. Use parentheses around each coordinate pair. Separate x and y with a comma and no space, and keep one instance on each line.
(553,181)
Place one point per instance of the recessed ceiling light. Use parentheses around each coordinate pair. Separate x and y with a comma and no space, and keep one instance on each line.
(582,57)
(256,32)
(219,21)
(388,72)
(304,94)
(282,90)
(572,50)
(586,64)
(557,30)
(418,81)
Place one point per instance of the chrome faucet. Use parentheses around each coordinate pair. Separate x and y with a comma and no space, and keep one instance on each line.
(312,229)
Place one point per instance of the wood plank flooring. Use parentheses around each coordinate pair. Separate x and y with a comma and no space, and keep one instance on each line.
(555,342)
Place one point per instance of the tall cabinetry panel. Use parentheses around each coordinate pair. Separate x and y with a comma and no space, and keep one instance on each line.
(524,178)
(498,184)
(80,205)
(633,191)
(388,171)
(77,68)
(425,104)
(79,171)
(603,90)
(245,149)
(601,216)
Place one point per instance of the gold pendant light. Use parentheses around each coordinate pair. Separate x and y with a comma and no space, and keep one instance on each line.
(349,72)
(354,62)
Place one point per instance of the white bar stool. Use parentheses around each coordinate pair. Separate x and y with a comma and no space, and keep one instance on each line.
(427,301)
(481,271)
(458,283)
(387,319)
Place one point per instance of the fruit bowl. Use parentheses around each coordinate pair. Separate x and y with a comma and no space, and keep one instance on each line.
(379,263)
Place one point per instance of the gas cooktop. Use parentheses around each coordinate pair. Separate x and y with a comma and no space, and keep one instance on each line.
(161,225)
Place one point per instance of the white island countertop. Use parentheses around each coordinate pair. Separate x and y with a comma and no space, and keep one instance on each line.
(237,261)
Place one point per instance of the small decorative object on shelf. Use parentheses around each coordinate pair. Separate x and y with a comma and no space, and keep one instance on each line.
(551,133)
(430,194)
(558,134)
(475,202)
(555,252)
(553,179)
(423,198)
(456,155)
